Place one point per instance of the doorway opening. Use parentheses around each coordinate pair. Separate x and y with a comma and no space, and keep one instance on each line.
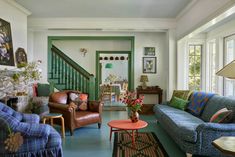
(113,76)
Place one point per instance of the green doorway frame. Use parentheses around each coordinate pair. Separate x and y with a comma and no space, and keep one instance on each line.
(130,68)
(118,38)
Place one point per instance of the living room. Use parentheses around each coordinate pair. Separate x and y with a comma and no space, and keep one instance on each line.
(87,31)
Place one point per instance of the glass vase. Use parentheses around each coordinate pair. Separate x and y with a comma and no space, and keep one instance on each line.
(134,116)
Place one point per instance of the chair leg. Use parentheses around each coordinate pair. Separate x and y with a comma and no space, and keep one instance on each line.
(99,125)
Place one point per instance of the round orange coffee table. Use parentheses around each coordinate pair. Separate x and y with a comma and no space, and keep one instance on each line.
(126,125)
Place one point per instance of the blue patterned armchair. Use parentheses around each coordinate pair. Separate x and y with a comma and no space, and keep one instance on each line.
(39,140)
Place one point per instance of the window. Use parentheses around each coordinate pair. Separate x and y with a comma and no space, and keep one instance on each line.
(212,67)
(229,47)
(195,53)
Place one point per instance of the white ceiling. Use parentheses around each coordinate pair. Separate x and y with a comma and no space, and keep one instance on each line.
(105,8)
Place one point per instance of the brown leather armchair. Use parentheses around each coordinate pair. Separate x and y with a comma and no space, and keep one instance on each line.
(58,103)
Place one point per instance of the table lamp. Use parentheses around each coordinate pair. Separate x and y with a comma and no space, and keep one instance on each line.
(228,71)
(144,79)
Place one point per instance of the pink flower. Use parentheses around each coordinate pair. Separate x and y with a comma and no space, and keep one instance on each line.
(132,102)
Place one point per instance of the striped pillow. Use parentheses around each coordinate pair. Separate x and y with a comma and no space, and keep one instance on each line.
(222,116)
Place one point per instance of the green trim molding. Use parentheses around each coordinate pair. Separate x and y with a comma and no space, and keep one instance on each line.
(122,38)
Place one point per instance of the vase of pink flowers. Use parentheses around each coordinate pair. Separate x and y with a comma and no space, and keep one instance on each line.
(134,104)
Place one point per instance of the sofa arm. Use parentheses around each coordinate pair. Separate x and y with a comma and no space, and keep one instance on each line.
(31,118)
(95,106)
(217,127)
(208,132)
(58,106)
(33,130)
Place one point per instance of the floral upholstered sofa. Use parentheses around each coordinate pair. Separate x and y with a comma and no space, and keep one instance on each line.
(37,140)
(194,134)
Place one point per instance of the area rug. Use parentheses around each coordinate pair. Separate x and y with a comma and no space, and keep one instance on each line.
(146,145)
(114,108)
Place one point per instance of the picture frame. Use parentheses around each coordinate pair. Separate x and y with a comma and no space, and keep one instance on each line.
(149,51)
(21,57)
(6,46)
(150,65)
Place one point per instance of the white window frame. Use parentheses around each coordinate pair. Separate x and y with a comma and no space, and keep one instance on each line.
(211,50)
(201,65)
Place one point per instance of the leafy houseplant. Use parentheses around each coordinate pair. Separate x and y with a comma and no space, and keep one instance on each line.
(134,104)
(30,72)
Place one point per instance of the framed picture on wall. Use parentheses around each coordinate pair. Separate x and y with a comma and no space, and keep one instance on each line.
(150,65)
(149,51)
(6,46)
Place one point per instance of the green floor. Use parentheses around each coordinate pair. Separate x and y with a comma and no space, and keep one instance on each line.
(91,141)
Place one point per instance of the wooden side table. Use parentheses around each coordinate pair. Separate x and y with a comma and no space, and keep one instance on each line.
(52,116)
(226,144)
(150,90)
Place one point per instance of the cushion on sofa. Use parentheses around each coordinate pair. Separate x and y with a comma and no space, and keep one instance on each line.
(80,100)
(222,116)
(216,103)
(183,94)
(198,101)
(45,89)
(182,123)
(178,103)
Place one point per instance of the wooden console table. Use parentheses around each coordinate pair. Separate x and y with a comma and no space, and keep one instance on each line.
(150,90)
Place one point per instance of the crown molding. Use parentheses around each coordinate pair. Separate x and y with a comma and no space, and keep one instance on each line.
(186,9)
(19,7)
(105,24)
(227,10)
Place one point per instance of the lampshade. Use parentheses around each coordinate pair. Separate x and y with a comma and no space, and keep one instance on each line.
(228,71)
(109,66)
(144,78)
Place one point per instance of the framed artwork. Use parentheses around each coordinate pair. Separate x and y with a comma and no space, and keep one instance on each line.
(149,65)
(6,46)
(21,57)
(149,51)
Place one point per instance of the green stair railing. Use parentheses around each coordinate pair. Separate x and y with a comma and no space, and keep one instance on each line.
(66,74)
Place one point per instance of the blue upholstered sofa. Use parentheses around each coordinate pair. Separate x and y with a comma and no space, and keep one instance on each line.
(39,140)
(194,135)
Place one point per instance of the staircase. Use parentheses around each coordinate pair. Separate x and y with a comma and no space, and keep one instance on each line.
(68,75)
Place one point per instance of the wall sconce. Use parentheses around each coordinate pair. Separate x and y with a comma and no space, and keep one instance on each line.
(84,51)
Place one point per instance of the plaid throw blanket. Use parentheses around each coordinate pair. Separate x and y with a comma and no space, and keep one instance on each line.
(198,102)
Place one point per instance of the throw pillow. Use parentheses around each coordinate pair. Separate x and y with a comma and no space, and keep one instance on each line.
(80,100)
(45,89)
(182,94)
(222,116)
(39,105)
(35,87)
(178,103)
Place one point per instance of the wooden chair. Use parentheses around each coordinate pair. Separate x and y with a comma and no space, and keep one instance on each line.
(73,118)
(124,89)
(106,90)
(125,86)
